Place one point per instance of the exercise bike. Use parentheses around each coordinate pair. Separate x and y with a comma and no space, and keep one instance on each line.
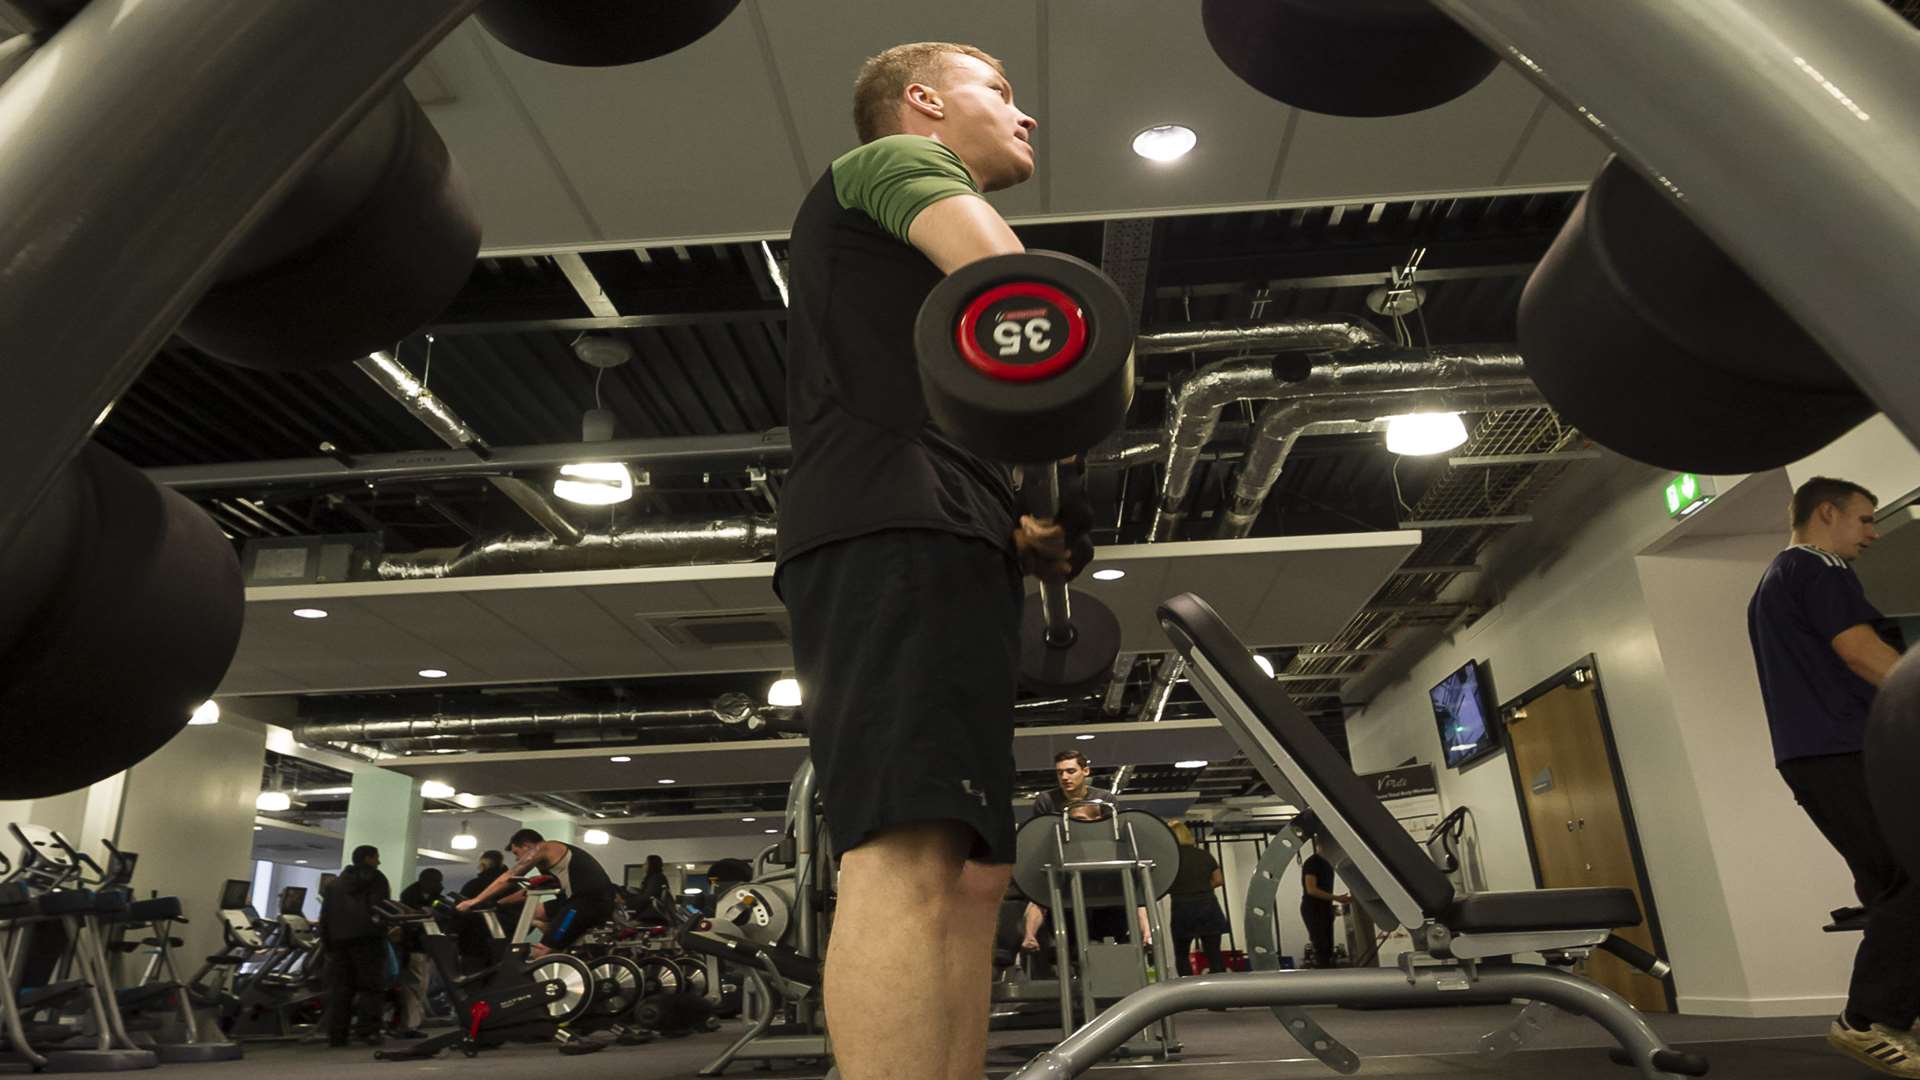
(515,995)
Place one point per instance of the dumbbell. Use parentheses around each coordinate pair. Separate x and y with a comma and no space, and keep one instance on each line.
(1028,359)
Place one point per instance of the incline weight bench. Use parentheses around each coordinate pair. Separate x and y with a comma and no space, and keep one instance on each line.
(1563,925)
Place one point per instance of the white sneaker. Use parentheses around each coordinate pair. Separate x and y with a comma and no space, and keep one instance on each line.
(1896,1053)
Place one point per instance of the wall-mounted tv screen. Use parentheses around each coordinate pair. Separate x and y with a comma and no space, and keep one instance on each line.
(1464,710)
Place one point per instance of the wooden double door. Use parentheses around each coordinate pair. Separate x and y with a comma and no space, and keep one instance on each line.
(1580,827)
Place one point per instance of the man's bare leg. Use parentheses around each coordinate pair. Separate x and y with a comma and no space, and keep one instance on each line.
(902,962)
(969,960)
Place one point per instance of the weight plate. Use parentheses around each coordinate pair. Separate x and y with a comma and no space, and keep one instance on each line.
(1078,397)
(1089,841)
(1079,664)
(1022,331)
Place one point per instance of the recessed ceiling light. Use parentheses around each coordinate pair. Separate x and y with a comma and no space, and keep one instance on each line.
(1084,738)
(742,819)
(692,892)
(299,862)
(667,781)
(308,613)
(595,836)
(435,789)
(1109,575)
(773,830)
(273,802)
(621,759)
(257,828)
(1165,142)
(1266,665)
(432,673)
(207,713)
(1189,764)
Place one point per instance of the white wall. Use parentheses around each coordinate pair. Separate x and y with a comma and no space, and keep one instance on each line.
(1874,455)
(188,812)
(1779,876)
(1588,598)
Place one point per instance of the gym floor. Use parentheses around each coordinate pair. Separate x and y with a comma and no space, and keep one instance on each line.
(1240,1045)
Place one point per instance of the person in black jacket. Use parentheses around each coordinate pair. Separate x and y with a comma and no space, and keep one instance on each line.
(356,948)
(654,892)
(416,964)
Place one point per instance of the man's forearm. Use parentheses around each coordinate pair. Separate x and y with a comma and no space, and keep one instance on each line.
(1035,916)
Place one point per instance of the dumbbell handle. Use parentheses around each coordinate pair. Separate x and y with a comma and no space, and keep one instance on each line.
(1042,489)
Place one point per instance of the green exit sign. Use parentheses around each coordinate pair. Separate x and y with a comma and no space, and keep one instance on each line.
(1687,493)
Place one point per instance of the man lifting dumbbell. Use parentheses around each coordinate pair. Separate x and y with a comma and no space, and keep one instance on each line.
(902,553)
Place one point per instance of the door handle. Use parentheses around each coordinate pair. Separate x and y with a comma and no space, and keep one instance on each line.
(1569,824)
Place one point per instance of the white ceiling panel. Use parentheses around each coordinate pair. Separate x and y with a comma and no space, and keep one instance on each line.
(723,138)
(770,761)
(602,624)
(1118,67)
(1560,150)
(818,54)
(692,143)
(514,185)
(1461,145)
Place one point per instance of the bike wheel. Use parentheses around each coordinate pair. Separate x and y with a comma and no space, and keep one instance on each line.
(576,985)
(661,976)
(618,985)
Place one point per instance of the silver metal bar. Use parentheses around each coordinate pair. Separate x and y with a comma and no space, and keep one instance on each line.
(1414,571)
(1291,677)
(1833,88)
(703,450)
(584,283)
(1331,654)
(1332,332)
(129,175)
(1352,986)
(1551,457)
(1062,959)
(1469,522)
(1080,931)
(1415,609)
(1042,483)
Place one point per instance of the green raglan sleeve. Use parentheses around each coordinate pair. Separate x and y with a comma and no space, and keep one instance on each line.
(892,179)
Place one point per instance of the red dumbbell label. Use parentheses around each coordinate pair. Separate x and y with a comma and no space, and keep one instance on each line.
(1022,331)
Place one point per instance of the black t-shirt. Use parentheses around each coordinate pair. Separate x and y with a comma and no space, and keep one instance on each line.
(1318,868)
(479,882)
(1195,877)
(866,457)
(582,877)
(1816,705)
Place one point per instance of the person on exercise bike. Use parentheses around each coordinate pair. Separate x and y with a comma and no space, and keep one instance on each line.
(586,892)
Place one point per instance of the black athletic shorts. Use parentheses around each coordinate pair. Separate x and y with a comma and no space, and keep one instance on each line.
(907,645)
(568,919)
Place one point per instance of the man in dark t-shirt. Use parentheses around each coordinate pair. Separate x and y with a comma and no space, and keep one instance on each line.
(901,556)
(1316,904)
(586,891)
(1820,661)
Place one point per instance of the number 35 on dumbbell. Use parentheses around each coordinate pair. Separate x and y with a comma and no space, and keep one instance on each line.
(1028,359)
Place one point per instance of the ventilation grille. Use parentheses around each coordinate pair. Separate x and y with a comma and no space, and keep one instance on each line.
(747,630)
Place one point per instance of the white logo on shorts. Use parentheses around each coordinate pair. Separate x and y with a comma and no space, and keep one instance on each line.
(967,786)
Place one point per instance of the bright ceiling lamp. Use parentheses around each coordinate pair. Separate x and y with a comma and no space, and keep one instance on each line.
(785,693)
(434,789)
(464,840)
(1165,142)
(1265,664)
(273,801)
(1418,434)
(1196,764)
(309,613)
(594,483)
(1109,575)
(207,713)
(595,836)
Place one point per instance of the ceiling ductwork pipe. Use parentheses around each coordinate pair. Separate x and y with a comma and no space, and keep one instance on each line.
(1171,665)
(667,543)
(1284,422)
(390,375)
(725,709)
(1196,411)
(1334,333)
(1116,695)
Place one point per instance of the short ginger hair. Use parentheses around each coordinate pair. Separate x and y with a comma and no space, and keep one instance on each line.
(883,78)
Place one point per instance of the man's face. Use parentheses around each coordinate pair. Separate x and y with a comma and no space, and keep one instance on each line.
(522,852)
(1073,778)
(983,126)
(1851,529)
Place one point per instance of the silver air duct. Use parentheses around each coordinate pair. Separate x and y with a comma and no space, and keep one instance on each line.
(1201,398)
(668,543)
(390,375)
(1171,665)
(725,709)
(1332,333)
(1284,422)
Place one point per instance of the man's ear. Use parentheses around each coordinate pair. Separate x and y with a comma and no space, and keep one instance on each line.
(926,101)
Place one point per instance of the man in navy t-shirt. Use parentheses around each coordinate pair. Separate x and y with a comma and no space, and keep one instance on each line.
(1820,661)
